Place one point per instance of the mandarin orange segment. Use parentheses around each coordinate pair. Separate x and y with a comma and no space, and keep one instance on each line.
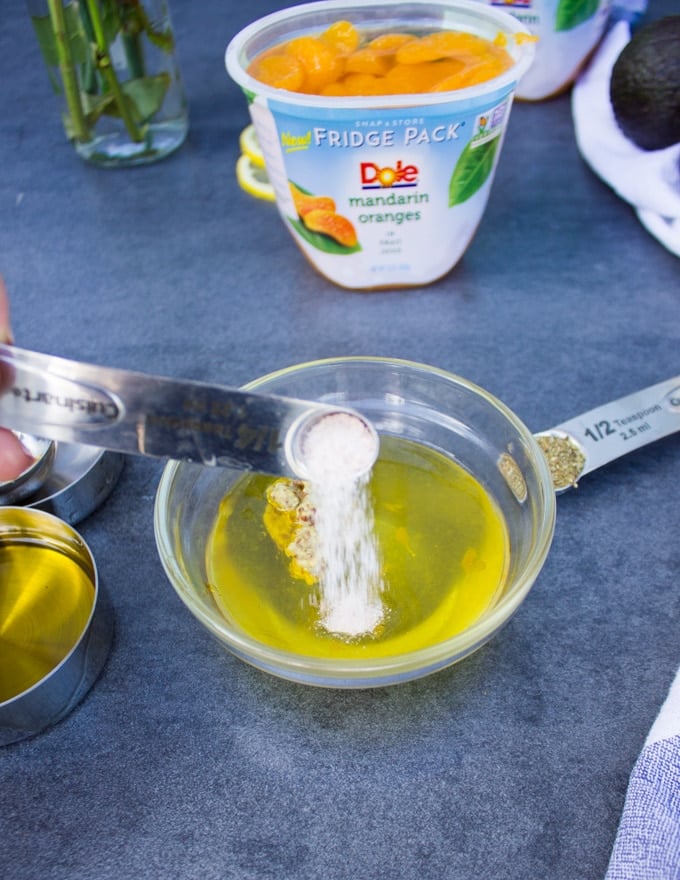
(405,79)
(500,54)
(337,64)
(470,76)
(278,71)
(462,42)
(443,44)
(413,78)
(342,36)
(356,84)
(321,63)
(334,90)
(389,42)
(367,61)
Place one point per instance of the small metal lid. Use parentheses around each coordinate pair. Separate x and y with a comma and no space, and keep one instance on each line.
(81,479)
(55,630)
(30,480)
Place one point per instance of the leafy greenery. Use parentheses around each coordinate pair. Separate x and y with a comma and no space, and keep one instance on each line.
(145,99)
(472,169)
(78,47)
(76,40)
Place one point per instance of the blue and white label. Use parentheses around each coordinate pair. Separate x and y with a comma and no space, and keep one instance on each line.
(399,192)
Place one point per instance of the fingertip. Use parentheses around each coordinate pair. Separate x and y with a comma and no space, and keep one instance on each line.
(6,334)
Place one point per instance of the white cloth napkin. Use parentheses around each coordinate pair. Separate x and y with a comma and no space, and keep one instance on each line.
(647,845)
(648,180)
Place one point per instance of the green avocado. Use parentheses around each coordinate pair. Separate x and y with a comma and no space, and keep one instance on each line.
(645,85)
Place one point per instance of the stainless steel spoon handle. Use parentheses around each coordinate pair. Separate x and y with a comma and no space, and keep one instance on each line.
(614,429)
(161,417)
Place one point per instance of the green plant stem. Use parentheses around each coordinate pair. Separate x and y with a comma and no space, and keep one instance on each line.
(134,55)
(134,52)
(68,73)
(106,67)
(88,78)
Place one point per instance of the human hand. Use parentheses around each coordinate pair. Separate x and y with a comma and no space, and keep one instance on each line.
(13,457)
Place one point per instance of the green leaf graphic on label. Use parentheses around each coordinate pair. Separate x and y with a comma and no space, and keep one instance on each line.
(300,188)
(471,171)
(323,242)
(571,13)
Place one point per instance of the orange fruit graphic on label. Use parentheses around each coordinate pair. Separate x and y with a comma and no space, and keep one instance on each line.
(334,225)
(304,203)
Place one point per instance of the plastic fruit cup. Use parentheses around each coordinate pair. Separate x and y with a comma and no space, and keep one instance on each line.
(403,400)
(411,174)
(567,34)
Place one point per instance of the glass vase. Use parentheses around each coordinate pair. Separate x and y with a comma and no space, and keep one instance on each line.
(113,64)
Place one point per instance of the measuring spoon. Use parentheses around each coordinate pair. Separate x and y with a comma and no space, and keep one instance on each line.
(125,411)
(610,431)
(216,425)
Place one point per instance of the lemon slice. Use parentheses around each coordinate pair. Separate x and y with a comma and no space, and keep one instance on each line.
(250,146)
(253,179)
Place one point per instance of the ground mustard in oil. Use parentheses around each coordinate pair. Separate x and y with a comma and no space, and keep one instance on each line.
(444,550)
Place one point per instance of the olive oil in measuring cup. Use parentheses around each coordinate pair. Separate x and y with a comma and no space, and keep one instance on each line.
(46,599)
(444,549)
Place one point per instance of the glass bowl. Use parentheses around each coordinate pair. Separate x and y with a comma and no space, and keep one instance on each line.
(406,401)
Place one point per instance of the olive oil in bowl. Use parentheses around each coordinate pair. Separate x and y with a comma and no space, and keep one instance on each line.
(443,543)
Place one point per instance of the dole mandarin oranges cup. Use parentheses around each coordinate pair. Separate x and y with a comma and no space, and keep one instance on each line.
(567,32)
(381,125)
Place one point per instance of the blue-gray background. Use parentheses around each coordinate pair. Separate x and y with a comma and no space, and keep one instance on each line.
(184,762)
